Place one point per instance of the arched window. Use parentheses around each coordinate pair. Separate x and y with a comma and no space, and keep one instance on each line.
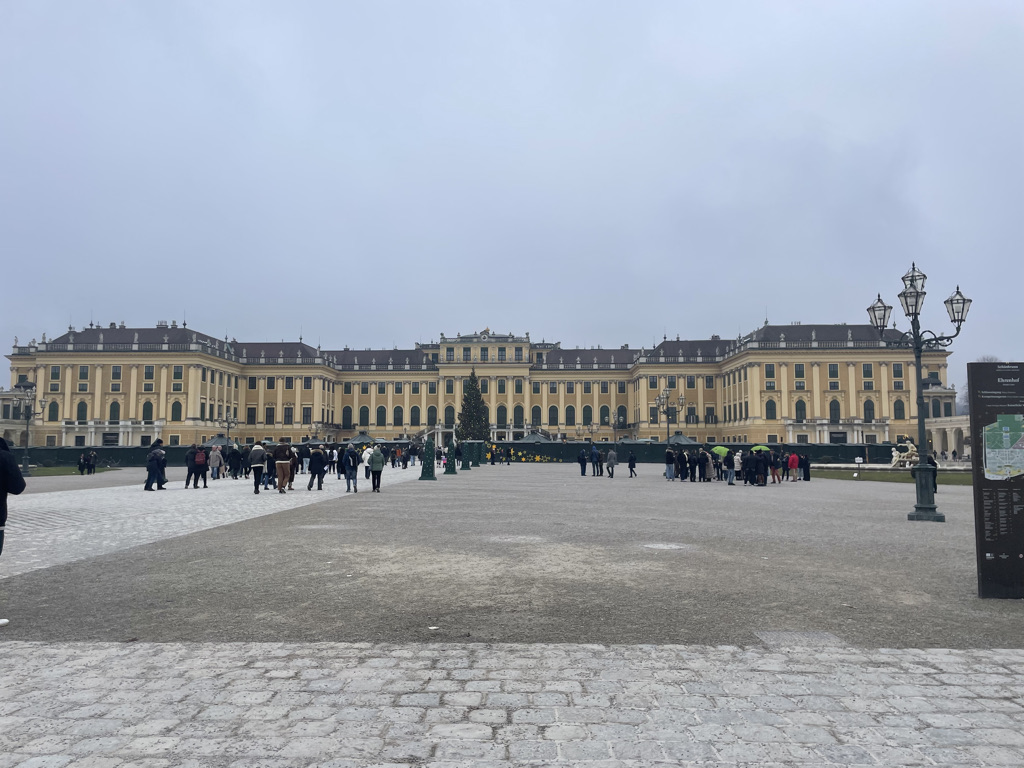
(535,415)
(570,416)
(620,417)
(869,411)
(936,408)
(605,415)
(553,416)
(833,412)
(769,410)
(899,411)
(364,416)
(518,416)
(502,416)
(801,410)
(147,411)
(53,412)
(414,416)
(588,415)
(431,415)
(346,417)
(399,416)
(82,412)
(176,411)
(449,415)
(382,416)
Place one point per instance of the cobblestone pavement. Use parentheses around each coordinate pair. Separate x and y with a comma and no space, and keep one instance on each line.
(47,529)
(285,705)
(796,698)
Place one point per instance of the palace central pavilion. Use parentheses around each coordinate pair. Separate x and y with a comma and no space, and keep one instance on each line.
(115,385)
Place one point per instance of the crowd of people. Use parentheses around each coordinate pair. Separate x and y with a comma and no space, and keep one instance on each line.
(762,466)
(274,466)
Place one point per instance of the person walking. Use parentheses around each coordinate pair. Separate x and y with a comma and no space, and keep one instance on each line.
(11,483)
(190,464)
(594,457)
(351,461)
(632,464)
(282,465)
(367,453)
(201,463)
(155,461)
(234,462)
(257,458)
(376,467)
(612,460)
(81,464)
(317,467)
(270,470)
(773,467)
(216,462)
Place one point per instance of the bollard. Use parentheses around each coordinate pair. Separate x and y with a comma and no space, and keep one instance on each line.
(427,463)
(449,465)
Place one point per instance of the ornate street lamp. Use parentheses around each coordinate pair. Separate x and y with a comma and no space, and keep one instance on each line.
(912,300)
(228,422)
(666,407)
(26,401)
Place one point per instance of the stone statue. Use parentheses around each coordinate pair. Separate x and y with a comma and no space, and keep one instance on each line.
(814,335)
(427,461)
(136,339)
(849,334)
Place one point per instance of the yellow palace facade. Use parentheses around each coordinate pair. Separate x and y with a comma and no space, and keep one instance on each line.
(115,385)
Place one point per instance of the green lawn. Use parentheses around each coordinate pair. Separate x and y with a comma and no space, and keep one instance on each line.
(55,471)
(945,478)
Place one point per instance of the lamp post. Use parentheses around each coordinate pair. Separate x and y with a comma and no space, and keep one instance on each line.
(912,299)
(590,429)
(26,401)
(665,406)
(228,422)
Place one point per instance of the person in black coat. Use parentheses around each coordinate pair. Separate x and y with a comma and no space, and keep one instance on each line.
(632,464)
(155,463)
(11,482)
(317,468)
(582,459)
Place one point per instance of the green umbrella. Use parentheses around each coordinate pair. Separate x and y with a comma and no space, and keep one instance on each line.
(760,448)
(721,450)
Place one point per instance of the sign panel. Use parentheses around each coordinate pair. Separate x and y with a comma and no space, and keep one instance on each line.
(997,455)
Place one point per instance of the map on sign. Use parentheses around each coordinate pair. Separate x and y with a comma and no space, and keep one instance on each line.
(1004,448)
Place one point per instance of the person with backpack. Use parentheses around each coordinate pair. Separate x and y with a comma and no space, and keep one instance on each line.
(202,464)
(351,460)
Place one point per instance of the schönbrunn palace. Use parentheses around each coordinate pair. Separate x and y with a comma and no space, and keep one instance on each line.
(115,385)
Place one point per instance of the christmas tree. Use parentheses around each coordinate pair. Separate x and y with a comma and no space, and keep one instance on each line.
(473,422)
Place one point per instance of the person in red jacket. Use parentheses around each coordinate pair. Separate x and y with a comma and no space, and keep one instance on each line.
(794,467)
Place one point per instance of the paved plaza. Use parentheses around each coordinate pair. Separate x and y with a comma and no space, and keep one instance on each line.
(516,615)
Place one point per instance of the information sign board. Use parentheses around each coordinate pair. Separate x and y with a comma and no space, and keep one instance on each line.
(997,455)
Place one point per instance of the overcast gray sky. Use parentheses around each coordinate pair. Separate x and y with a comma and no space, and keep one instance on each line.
(590,172)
